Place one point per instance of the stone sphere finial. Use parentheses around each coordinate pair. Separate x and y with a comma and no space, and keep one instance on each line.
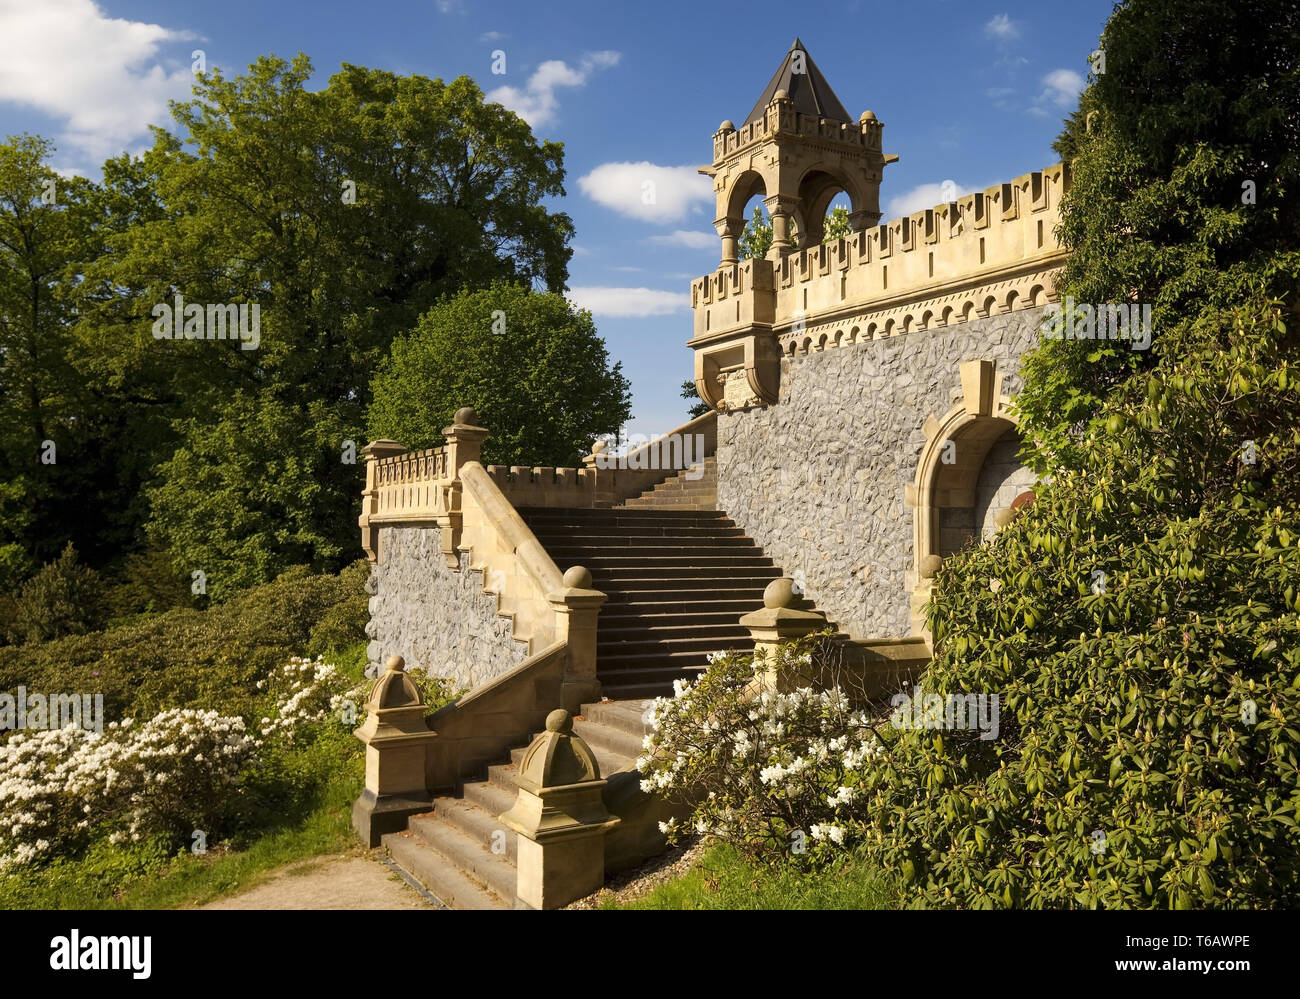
(577,577)
(727,126)
(780,95)
(780,593)
(466,416)
(867,116)
(560,721)
(930,565)
(396,664)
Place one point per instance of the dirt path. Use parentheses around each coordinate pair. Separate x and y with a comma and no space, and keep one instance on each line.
(340,881)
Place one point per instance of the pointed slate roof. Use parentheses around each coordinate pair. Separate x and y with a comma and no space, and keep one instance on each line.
(809,90)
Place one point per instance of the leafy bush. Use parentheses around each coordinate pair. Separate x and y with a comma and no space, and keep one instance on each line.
(770,771)
(63,598)
(1140,624)
(147,584)
(208,659)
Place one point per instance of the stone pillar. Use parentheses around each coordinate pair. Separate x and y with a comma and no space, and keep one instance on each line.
(464,440)
(729,229)
(395,735)
(374,451)
(780,209)
(781,620)
(576,607)
(560,819)
(464,443)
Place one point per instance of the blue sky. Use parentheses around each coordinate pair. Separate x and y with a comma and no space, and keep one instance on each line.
(970,92)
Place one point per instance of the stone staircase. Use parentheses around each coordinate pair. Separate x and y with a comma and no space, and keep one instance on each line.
(679,575)
(462,853)
(697,490)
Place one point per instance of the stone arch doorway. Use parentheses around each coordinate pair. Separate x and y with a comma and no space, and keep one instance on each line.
(967,478)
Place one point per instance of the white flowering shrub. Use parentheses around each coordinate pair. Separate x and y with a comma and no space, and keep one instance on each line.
(771,771)
(174,773)
(306,693)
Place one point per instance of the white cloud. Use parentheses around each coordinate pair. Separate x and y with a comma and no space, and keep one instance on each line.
(1001,26)
(105,78)
(925,196)
(491,36)
(648,192)
(1060,87)
(688,238)
(449,6)
(628,302)
(537,102)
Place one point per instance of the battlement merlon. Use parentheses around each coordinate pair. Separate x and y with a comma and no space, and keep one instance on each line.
(781,118)
(981,238)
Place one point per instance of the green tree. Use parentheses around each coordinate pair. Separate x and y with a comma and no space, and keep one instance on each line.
(1186,162)
(343,214)
(698,406)
(531,365)
(756,239)
(45,224)
(1140,621)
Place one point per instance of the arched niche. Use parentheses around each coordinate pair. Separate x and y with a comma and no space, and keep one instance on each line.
(966,475)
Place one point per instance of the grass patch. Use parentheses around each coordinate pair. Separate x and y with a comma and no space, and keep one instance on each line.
(724,879)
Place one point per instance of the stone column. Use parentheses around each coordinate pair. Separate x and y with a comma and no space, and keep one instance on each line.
(396,736)
(560,819)
(729,229)
(374,451)
(781,620)
(576,608)
(464,443)
(780,209)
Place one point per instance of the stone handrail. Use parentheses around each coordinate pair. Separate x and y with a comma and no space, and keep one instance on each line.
(513,561)
(482,726)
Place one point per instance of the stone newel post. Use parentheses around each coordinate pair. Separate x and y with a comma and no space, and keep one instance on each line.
(782,619)
(395,735)
(576,607)
(464,443)
(560,818)
(374,451)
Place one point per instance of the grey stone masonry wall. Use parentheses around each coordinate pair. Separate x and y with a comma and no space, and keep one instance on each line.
(818,479)
(434,617)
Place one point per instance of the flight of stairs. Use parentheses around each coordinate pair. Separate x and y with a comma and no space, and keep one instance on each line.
(462,853)
(679,575)
(698,492)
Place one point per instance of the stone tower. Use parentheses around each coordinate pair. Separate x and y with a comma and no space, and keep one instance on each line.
(799,148)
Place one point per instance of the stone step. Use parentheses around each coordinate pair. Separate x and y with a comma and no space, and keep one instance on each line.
(652,619)
(616,517)
(471,856)
(703,559)
(609,652)
(640,690)
(655,602)
(611,633)
(662,673)
(478,823)
(612,742)
(627,716)
(721,577)
(441,874)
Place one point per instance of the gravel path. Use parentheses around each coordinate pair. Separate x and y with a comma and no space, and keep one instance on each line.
(340,881)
